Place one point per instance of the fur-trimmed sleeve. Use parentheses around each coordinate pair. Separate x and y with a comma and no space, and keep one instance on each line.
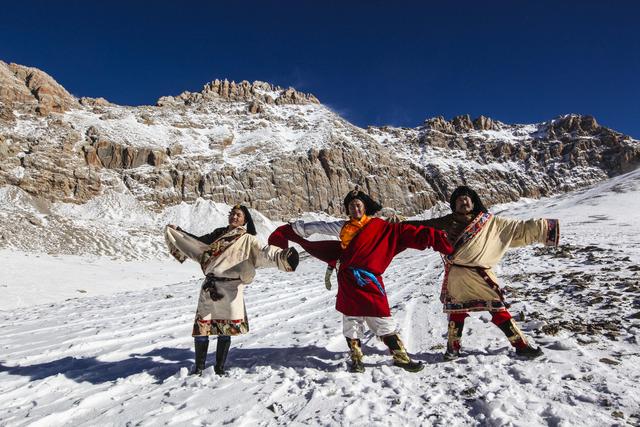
(306,229)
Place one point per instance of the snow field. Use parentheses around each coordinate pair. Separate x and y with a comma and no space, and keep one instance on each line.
(123,358)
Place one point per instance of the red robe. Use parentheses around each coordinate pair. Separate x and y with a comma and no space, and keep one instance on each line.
(373,250)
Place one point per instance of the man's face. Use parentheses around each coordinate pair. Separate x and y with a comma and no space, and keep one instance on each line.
(464,204)
(356,209)
(236,218)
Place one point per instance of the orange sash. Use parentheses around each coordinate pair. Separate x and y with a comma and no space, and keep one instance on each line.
(351,230)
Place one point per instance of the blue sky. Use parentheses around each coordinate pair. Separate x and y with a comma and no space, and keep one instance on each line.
(373,62)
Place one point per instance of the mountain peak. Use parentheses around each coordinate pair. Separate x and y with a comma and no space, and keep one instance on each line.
(462,123)
(225,90)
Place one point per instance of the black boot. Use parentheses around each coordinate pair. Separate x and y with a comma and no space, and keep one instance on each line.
(222,349)
(454,337)
(400,356)
(201,347)
(355,351)
(529,352)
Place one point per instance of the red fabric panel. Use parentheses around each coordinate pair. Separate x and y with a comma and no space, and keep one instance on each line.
(458,317)
(499,317)
(325,250)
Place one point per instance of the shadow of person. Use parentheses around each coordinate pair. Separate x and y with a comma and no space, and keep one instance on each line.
(164,362)
(435,358)
(160,363)
(312,357)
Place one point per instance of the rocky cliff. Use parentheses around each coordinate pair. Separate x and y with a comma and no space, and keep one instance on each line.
(281,151)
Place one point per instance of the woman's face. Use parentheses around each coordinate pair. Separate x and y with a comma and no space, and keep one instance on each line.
(236,218)
(464,204)
(356,208)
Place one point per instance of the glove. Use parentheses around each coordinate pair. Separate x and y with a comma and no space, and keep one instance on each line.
(327,277)
(441,243)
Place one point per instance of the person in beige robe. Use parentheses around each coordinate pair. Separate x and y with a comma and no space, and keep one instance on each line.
(480,239)
(229,257)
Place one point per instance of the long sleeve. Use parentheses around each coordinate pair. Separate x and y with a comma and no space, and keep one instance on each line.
(441,223)
(207,238)
(421,237)
(306,229)
(526,232)
(269,256)
(183,245)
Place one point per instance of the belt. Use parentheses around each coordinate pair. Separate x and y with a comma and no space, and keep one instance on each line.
(221,279)
(210,285)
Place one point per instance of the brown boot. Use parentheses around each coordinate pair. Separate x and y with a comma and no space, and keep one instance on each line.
(355,351)
(400,356)
(518,340)
(454,337)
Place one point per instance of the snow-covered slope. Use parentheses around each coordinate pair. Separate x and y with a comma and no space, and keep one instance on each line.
(122,359)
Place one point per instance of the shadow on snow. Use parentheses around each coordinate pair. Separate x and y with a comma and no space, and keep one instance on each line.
(164,362)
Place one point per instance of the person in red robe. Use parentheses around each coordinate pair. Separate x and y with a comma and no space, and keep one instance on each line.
(366,247)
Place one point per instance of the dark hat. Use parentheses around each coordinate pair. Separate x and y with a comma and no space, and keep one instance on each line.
(249,225)
(371,207)
(463,190)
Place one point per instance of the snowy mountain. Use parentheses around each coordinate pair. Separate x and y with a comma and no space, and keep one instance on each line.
(98,178)
(105,356)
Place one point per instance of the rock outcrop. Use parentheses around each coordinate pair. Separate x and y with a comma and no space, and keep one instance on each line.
(244,91)
(460,124)
(27,87)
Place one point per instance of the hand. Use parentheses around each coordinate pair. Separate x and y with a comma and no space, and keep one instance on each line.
(441,243)
(327,277)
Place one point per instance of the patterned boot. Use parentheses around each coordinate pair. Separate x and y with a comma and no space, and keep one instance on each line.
(517,340)
(400,356)
(222,349)
(201,347)
(355,351)
(454,336)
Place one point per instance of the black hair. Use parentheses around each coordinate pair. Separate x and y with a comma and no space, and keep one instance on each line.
(371,206)
(249,225)
(463,190)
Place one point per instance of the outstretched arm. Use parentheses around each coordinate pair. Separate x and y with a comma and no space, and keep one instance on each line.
(325,250)
(306,229)
(526,232)
(422,237)
(207,238)
(273,256)
(440,223)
